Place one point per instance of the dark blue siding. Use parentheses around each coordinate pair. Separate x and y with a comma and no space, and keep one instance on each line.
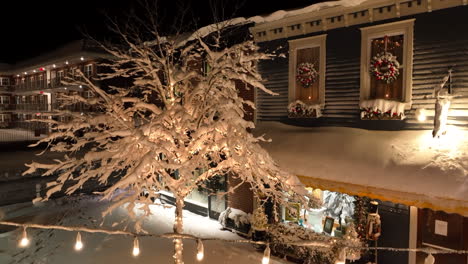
(440,42)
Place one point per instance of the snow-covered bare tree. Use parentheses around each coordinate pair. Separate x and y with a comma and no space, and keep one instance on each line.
(173,128)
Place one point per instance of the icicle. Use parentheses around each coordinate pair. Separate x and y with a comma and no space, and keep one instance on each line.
(429,259)
(266,255)
(200,250)
(78,244)
(136,247)
(24,242)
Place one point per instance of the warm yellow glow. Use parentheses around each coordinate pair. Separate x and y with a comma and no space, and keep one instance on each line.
(200,250)
(136,247)
(200,256)
(78,244)
(449,143)
(266,255)
(421,118)
(24,242)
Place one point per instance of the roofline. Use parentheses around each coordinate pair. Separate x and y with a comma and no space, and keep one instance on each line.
(341,16)
(69,51)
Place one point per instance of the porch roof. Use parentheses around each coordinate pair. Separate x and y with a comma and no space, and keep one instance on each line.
(408,167)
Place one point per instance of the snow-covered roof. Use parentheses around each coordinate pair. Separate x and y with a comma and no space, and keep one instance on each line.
(407,167)
(280,14)
(337,14)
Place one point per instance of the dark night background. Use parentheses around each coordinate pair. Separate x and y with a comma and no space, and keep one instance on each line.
(30,28)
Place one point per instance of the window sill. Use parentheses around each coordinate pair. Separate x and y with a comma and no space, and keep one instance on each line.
(382,109)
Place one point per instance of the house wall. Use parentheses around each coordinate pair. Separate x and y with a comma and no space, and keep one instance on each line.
(440,42)
(242,197)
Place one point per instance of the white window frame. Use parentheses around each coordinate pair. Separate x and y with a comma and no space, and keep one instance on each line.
(304,43)
(86,68)
(4,81)
(405,28)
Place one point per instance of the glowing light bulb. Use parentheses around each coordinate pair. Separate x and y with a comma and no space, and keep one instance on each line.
(266,255)
(429,259)
(310,97)
(78,244)
(421,114)
(200,250)
(66,62)
(136,247)
(386,95)
(24,242)
(82,58)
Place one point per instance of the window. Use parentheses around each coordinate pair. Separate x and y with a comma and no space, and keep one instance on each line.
(88,70)
(4,99)
(307,51)
(4,81)
(89,94)
(60,75)
(395,39)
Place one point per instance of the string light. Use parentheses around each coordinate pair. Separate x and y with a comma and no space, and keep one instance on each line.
(266,255)
(429,259)
(24,242)
(136,247)
(78,244)
(421,114)
(200,250)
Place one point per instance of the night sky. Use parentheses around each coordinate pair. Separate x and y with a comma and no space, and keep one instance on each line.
(30,28)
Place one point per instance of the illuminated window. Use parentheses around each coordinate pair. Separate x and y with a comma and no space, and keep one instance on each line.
(306,55)
(395,39)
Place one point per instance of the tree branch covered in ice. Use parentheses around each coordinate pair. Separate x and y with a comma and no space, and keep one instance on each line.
(173,127)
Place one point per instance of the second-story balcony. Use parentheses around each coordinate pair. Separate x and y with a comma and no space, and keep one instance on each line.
(6,89)
(7,107)
(55,107)
(30,86)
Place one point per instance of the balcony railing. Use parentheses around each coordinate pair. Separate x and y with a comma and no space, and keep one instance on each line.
(42,84)
(6,88)
(6,107)
(76,107)
(30,86)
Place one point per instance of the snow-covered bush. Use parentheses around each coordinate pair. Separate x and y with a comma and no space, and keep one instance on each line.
(284,236)
(238,216)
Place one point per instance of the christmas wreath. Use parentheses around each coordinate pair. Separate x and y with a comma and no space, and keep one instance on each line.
(306,74)
(385,67)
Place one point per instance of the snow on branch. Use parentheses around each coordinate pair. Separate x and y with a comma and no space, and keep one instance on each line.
(162,118)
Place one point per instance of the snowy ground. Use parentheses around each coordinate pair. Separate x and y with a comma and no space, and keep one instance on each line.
(54,247)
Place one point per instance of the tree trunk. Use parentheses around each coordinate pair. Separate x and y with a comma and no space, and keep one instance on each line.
(178,229)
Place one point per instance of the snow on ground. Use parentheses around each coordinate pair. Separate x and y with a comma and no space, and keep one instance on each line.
(56,247)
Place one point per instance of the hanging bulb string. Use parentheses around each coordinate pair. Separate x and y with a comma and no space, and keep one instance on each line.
(332,243)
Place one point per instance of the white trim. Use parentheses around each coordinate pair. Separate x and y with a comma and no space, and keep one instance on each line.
(406,28)
(264,31)
(310,42)
(413,234)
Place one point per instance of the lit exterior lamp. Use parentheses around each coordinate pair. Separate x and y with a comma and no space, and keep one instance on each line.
(421,114)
